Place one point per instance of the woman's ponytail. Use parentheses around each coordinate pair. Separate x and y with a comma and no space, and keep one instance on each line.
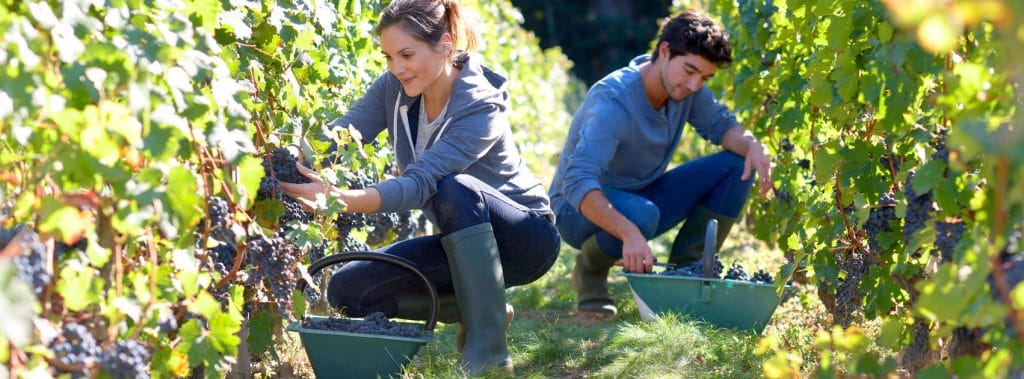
(460,27)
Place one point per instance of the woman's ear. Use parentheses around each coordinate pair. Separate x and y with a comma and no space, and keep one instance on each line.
(447,43)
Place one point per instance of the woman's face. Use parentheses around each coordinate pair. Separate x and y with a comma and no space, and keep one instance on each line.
(415,63)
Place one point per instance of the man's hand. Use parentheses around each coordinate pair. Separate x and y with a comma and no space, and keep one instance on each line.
(636,254)
(758,159)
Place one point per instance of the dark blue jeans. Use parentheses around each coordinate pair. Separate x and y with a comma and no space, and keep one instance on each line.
(528,245)
(712,181)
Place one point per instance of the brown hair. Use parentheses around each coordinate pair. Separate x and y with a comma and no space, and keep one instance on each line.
(428,20)
(694,32)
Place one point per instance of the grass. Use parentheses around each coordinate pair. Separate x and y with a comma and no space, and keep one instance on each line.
(549,339)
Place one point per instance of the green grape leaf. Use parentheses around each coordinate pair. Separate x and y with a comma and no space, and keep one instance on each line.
(934,371)
(64,221)
(196,344)
(949,292)
(926,177)
(261,332)
(224,333)
(183,193)
(78,286)
(250,171)
(826,164)
(892,329)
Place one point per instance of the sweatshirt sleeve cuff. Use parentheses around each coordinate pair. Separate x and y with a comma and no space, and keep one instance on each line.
(391,192)
(575,195)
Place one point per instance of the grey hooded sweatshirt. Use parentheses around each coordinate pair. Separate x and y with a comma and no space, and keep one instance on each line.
(474,139)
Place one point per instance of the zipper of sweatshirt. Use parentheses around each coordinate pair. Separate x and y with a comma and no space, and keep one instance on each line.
(403,112)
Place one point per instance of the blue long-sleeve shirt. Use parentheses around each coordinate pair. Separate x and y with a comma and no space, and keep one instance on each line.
(617,140)
(475,138)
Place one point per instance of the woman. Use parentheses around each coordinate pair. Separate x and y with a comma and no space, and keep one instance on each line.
(448,115)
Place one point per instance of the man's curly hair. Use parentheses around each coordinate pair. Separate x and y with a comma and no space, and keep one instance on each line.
(694,32)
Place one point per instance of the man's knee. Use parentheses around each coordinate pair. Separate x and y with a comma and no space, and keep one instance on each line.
(645,216)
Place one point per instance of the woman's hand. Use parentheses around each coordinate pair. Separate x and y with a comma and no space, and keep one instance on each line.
(307,193)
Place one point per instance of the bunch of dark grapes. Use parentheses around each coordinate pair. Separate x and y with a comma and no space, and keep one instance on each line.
(918,353)
(919,209)
(890,162)
(30,262)
(763,277)
(223,258)
(126,359)
(344,224)
(947,235)
(360,181)
(75,347)
(736,272)
(293,212)
(849,296)
(407,226)
(784,196)
(219,216)
(786,145)
(375,323)
(695,269)
(269,188)
(878,220)
(382,224)
(804,164)
(318,251)
(285,167)
(282,167)
(939,144)
(274,261)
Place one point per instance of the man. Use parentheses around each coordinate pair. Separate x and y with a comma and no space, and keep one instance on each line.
(611,192)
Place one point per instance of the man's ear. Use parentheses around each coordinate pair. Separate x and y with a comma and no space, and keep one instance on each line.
(663,50)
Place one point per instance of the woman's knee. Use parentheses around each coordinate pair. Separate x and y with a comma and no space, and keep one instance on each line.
(352,292)
(453,192)
(457,203)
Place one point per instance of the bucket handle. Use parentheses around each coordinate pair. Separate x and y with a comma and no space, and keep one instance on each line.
(710,239)
(334,259)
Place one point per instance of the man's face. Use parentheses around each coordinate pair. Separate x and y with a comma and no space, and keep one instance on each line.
(685,74)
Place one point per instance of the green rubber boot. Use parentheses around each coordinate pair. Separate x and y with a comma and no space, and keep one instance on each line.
(460,335)
(480,293)
(590,279)
(689,243)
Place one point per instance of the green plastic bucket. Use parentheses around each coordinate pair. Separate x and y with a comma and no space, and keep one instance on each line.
(725,303)
(353,355)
